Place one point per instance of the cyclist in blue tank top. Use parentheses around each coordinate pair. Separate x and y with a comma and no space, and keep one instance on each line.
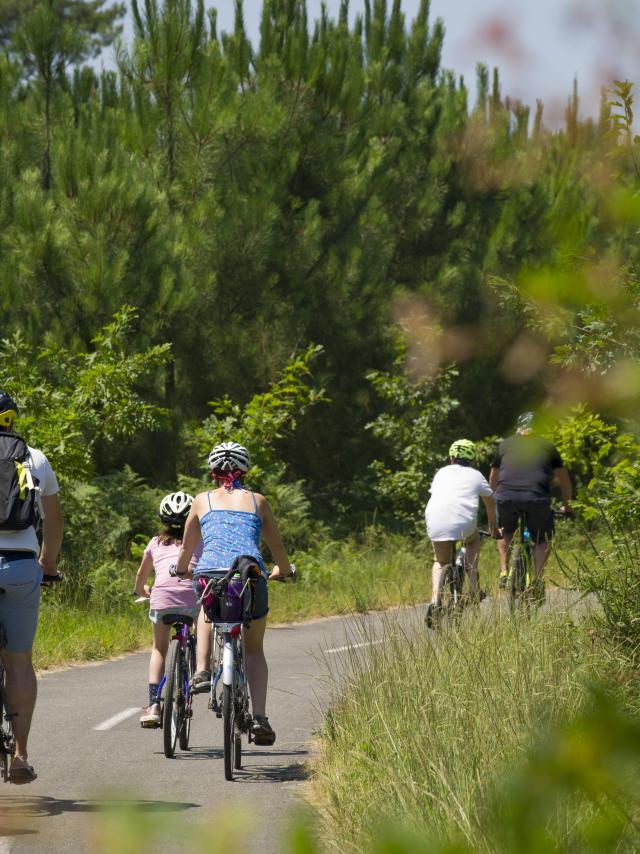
(231,520)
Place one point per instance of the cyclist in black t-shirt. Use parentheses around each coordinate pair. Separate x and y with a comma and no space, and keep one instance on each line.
(521,473)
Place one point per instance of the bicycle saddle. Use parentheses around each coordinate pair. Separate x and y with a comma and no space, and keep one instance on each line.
(172,619)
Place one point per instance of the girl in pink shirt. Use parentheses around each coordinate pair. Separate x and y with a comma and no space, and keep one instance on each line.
(169,594)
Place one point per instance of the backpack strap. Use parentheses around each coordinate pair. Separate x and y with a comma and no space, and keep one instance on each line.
(27,481)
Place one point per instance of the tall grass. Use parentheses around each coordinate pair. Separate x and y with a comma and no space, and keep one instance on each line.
(425,728)
(68,635)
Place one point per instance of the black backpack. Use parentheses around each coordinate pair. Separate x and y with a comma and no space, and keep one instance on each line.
(19,508)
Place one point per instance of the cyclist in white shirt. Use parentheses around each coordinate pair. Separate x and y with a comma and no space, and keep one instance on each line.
(452,512)
(23,562)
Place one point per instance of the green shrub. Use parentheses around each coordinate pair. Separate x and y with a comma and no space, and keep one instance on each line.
(609,569)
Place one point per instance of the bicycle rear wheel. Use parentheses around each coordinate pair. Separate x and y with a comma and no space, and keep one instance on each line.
(447,592)
(228,726)
(188,671)
(171,714)
(517,577)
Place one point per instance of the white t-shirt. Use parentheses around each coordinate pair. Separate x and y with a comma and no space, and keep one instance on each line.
(452,511)
(27,540)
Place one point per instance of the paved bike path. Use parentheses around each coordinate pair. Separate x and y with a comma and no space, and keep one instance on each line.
(82,770)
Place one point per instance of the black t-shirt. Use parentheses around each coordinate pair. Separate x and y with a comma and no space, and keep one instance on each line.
(525,468)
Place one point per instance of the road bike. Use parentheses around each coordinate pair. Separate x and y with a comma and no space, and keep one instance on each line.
(452,598)
(524,587)
(225,607)
(7,738)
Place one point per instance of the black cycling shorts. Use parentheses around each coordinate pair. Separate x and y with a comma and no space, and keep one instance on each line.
(538,516)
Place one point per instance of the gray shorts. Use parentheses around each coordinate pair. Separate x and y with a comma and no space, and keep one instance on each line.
(20,577)
(156,614)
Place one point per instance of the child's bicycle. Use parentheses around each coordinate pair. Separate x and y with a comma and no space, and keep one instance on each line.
(225,607)
(452,598)
(524,587)
(174,692)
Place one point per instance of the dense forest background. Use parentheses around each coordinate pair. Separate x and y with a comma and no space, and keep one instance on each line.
(324,245)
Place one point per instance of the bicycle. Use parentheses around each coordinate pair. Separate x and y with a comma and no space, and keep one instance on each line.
(452,599)
(7,738)
(174,692)
(524,588)
(225,607)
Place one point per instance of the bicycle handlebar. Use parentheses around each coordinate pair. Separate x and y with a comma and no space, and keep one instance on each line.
(287,579)
(490,535)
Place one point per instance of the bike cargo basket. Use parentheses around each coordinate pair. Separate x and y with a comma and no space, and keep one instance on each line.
(223,606)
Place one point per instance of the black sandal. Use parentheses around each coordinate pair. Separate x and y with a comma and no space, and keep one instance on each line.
(22,774)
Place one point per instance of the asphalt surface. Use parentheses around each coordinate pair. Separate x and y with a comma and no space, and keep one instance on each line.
(88,775)
(99,771)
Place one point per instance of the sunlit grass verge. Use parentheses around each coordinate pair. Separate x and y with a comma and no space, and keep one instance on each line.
(354,575)
(67,635)
(426,728)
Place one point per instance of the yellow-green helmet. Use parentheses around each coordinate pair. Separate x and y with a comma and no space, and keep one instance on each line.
(463,449)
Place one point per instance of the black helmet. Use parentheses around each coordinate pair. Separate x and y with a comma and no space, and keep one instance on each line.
(7,402)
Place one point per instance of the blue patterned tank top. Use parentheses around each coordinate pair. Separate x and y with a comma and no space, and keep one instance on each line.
(227,534)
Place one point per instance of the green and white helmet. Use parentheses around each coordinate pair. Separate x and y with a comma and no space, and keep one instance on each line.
(463,449)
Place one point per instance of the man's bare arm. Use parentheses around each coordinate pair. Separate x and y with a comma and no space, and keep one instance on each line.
(566,488)
(52,529)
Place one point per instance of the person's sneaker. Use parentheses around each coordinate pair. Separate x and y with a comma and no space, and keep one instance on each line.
(502,581)
(150,716)
(261,731)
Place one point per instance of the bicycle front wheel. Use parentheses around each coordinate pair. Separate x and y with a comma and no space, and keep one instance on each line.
(228,725)
(171,714)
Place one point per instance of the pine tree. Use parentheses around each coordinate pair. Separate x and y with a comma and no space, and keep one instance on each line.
(96,25)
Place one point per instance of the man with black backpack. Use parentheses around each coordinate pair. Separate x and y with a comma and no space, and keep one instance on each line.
(28,496)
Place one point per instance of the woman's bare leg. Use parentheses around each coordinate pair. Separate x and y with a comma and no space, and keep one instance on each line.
(257,670)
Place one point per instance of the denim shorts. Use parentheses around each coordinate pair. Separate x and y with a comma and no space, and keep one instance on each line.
(156,614)
(260,591)
(20,577)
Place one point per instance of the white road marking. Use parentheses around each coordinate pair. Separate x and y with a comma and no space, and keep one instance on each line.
(6,844)
(116,719)
(354,646)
